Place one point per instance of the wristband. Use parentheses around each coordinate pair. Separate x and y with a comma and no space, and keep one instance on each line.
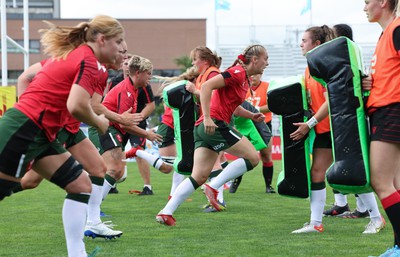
(312,122)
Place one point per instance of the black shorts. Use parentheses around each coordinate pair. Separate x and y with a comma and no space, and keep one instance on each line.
(323,140)
(269,125)
(137,140)
(113,138)
(385,124)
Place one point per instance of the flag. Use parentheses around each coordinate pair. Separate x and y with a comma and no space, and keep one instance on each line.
(222,5)
(306,7)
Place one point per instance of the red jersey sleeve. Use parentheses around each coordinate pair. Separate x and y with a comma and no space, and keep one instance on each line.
(88,72)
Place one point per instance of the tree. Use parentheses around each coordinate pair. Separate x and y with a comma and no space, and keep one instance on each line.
(183,62)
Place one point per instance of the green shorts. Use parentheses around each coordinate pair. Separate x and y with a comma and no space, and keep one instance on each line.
(68,139)
(246,128)
(22,141)
(224,137)
(168,135)
(113,138)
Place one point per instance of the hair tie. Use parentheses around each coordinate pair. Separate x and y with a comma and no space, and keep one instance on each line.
(242,58)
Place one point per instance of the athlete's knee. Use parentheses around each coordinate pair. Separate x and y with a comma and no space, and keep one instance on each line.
(68,172)
(99,169)
(251,163)
(165,168)
(28,184)
(318,172)
(254,160)
(380,188)
(264,157)
(6,188)
(116,172)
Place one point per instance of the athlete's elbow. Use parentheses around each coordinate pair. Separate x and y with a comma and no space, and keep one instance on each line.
(75,108)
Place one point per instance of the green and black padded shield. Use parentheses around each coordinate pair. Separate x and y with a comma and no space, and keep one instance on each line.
(287,98)
(337,64)
(185,113)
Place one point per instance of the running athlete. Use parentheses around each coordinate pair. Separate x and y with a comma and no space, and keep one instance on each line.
(82,150)
(257,96)
(120,99)
(62,88)
(207,64)
(213,133)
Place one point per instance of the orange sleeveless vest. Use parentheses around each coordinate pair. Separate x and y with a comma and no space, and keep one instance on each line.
(385,70)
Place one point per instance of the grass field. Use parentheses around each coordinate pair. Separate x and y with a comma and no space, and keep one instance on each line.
(256,224)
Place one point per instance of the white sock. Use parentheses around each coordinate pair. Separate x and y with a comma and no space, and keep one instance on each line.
(93,215)
(153,160)
(369,201)
(233,170)
(176,180)
(317,204)
(74,220)
(340,200)
(182,192)
(106,188)
(220,196)
(360,205)
(148,186)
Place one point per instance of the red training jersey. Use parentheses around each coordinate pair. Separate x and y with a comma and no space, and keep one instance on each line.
(167,117)
(120,98)
(44,101)
(225,100)
(73,125)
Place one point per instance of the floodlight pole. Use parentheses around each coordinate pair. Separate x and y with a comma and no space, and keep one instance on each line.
(26,34)
(4,73)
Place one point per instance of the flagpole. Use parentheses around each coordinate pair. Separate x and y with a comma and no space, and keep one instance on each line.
(216,27)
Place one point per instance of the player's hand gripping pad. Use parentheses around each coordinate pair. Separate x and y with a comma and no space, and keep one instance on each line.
(185,113)
(287,98)
(337,65)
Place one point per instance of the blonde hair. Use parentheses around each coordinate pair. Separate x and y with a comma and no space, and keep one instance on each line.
(59,41)
(138,63)
(244,58)
(190,74)
(250,51)
(398,8)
